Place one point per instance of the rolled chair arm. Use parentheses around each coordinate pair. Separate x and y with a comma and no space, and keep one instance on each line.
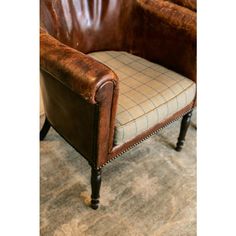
(191,4)
(79,72)
(170,31)
(177,17)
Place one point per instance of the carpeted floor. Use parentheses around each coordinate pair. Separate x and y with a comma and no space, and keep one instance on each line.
(150,190)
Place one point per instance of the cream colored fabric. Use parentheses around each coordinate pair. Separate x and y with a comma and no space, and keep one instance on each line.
(149,93)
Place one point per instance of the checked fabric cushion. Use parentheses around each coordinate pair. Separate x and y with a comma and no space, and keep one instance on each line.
(149,93)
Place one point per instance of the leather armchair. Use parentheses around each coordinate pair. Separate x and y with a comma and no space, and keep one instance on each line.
(82,94)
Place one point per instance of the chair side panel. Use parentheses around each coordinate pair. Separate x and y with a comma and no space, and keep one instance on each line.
(71,116)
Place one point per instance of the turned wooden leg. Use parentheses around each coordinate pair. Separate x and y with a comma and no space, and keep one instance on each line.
(95,184)
(183,130)
(45,129)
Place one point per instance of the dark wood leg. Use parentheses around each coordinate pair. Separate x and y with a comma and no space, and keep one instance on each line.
(95,184)
(183,130)
(45,129)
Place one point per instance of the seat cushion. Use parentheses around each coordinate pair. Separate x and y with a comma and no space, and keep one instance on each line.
(149,93)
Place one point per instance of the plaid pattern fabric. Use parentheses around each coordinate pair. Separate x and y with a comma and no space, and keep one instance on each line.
(149,93)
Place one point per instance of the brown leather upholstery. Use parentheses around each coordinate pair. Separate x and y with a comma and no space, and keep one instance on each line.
(98,25)
(80,94)
(191,4)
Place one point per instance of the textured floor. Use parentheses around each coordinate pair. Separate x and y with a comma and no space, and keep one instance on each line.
(150,190)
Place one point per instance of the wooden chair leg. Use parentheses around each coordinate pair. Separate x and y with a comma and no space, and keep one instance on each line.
(45,129)
(183,130)
(95,184)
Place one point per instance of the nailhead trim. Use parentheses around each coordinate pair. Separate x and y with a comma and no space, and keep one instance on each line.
(144,139)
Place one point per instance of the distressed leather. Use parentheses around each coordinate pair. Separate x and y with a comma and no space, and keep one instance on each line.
(160,31)
(79,72)
(191,4)
(147,28)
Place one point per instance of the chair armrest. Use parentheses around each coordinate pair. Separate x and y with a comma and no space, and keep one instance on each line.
(190,4)
(80,98)
(171,14)
(170,31)
(79,72)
